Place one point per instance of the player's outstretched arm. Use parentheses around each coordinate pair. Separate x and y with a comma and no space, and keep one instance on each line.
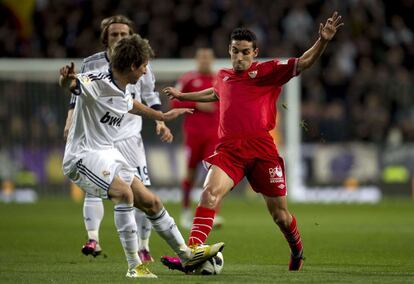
(67,79)
(206,95)
(326,33)
(141,109)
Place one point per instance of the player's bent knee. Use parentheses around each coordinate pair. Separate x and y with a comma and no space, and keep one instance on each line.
(156,205)
(210,197)
(122,196)
(120,191)
(150,205)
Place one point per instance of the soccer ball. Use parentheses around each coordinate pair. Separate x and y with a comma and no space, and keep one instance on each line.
(211,266)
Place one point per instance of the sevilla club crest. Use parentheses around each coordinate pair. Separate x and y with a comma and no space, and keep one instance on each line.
(253,74)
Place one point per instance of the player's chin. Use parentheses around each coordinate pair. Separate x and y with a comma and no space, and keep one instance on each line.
(239,67)
(133,81)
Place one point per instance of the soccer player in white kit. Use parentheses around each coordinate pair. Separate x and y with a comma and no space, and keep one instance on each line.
(94,164)
(128,141)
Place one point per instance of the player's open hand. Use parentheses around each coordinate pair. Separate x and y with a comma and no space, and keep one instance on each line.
(327,31)
(172,93)
(174,113)
(164,132)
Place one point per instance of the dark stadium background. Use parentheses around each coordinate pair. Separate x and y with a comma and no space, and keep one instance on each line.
(361,92)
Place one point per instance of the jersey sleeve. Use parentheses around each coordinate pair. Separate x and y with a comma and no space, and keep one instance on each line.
(73,96)
(217,82)
(148,93)
(129,102)
(72,101)
(283,71)
(85,86)
(84,68)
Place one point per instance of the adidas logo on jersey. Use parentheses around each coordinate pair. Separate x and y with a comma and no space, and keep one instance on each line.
(111,120)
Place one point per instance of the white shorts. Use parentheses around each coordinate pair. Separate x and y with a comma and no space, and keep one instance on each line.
(95,171)
(132,149)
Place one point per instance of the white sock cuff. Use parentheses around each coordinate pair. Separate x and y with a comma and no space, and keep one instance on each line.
(162,221)
(123,207)
(92,199)
(158,215)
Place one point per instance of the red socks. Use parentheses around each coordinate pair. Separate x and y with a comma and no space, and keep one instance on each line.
(292,235)
(202,224)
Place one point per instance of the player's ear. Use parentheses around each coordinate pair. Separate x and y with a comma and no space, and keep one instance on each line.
(230,49)
(133,67)
(256,52)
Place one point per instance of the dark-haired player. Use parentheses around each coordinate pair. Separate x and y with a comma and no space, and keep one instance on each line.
(247,94)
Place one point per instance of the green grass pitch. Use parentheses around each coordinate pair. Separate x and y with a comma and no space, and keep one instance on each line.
(40,243)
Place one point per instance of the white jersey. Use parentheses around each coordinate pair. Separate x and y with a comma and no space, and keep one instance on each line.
(99,114)
(143,90)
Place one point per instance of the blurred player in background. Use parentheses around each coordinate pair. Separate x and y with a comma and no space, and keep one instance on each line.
(94,164)
(247,94)
(129,140)
(200,128)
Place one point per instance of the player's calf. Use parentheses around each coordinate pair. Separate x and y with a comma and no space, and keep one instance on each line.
(296,262)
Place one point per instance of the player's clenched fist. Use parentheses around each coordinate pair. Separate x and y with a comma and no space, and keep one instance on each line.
(67,76)
(68,71)
(172,93)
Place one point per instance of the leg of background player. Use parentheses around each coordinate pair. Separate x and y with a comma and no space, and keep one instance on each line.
(93,212)
(186,218)
(144,232)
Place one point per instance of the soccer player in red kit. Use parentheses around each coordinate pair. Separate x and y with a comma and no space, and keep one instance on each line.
(247,94)
(200,128)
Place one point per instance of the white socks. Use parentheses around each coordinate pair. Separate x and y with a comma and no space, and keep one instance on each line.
(144,229)
(93,212)
(165,226)
(127,230)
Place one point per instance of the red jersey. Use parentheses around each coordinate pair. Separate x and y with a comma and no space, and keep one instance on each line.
(248,98)
(199,121)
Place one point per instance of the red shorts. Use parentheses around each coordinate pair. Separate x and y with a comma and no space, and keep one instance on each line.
(254,157)
(198,147)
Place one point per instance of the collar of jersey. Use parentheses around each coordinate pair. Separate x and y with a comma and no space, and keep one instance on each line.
(111,76)
(107,57)
(253,66)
